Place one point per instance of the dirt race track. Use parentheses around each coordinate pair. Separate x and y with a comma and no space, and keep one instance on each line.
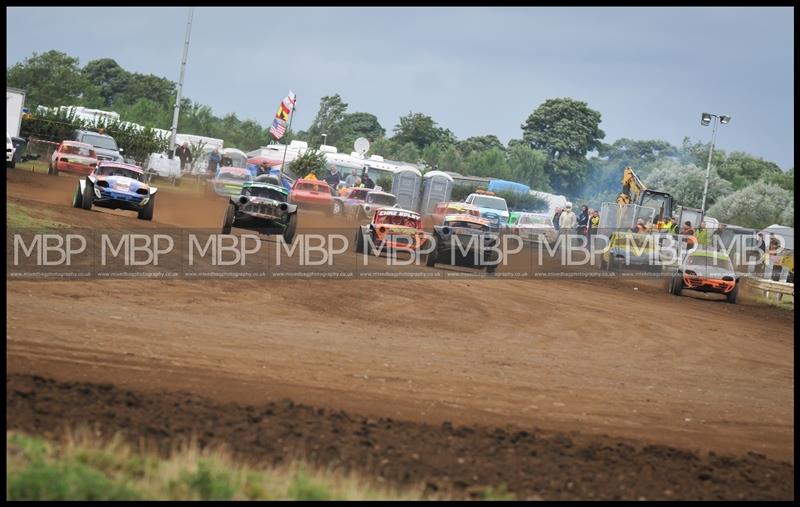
(567,388)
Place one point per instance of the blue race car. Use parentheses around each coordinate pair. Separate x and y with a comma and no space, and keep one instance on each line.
(115,185)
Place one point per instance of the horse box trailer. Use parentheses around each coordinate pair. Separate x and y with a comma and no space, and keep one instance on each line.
(15,101)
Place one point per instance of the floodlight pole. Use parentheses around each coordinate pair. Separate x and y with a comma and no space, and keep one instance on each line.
(708,166)
(177,112)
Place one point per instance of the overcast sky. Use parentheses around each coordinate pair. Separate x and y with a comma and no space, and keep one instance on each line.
(650,72)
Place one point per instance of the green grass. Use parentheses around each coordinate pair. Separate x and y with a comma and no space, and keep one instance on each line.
(785,304)
(80,468)
(20,217)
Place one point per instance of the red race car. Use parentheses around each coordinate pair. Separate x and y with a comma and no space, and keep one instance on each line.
(73,157)
(393,229)
(313,195)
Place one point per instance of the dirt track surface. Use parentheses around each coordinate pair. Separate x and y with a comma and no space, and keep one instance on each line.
(573,355)
(465,460)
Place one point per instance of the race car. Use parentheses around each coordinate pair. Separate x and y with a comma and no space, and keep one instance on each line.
(533,227)
(465,240)
(706,271)
(261,207)
(633,250)
(452,208)
(352,197)
(363,211)
(73,157)
(115,185)
(227,182)
(312,195)
(393,229)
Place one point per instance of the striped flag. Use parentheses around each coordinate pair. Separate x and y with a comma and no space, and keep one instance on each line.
(277,129)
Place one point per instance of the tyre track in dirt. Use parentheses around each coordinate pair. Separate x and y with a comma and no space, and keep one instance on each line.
(562,355)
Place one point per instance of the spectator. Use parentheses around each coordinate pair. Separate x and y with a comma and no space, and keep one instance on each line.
(368,183)
(761,245)
(702,235)
(556,216)
(687,229)
(226,161)
(185,155)
(334,178)
(775,247)
(213,162)
(263,168)
(594,222)
(567,220)
(583,219)
(639,227)
(350,181)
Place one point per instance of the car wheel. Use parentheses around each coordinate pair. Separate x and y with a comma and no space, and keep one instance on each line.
(677,284)
(360,241)
(227,222)
(88,197)
(50,168)
(291,227)
(490,270)
(603,265)
(77,198)
(611,265)
(146,213)
(431,258)
(734,294)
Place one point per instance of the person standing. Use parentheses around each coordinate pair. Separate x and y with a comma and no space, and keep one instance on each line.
(556,216)
(583,219)
(334,177)
(367,181)
(213,162)
(567,222)
(185,155)
(350,181)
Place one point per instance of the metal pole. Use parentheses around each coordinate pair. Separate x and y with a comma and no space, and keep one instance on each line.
(708,166)
(177,112)
(286,146)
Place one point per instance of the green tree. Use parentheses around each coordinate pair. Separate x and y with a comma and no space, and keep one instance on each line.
(421,131)
(629,152)
(110,79)
(785,180)
(311,160)
(697,153)
(355,125)
(563,128)
(480,143)
(491,163)
(743,169)
(566,130)
(452,160)
(529,166)
(686,183)
(329,117)
(758,205)
(52,78)
(407,153)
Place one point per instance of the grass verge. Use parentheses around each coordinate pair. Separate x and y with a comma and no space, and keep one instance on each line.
(20,217)
(81,468)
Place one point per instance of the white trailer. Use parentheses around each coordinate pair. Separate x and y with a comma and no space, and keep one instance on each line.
(15,101)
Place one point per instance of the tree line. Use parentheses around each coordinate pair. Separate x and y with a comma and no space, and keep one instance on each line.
(560,149)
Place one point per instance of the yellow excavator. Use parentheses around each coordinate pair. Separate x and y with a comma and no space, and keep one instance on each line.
(635,192)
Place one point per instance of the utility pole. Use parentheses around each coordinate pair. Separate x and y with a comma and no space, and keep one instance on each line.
(180,85)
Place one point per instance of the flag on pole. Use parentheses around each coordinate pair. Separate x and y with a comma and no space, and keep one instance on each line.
(283,112)
(277,129)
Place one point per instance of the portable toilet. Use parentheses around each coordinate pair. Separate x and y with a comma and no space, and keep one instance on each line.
(436,187)
(405,186)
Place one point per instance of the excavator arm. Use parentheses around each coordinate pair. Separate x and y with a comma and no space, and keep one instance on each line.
(632,188)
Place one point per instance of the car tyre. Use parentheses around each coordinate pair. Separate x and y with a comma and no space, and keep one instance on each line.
(291,227)
(77,198)
(146,213)
(677,284)
(733,295)
(227,221)
(360,241)
(88,198)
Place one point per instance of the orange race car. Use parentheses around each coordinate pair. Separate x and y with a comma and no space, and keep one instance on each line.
(394,229)
(706,271)
(73,157)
